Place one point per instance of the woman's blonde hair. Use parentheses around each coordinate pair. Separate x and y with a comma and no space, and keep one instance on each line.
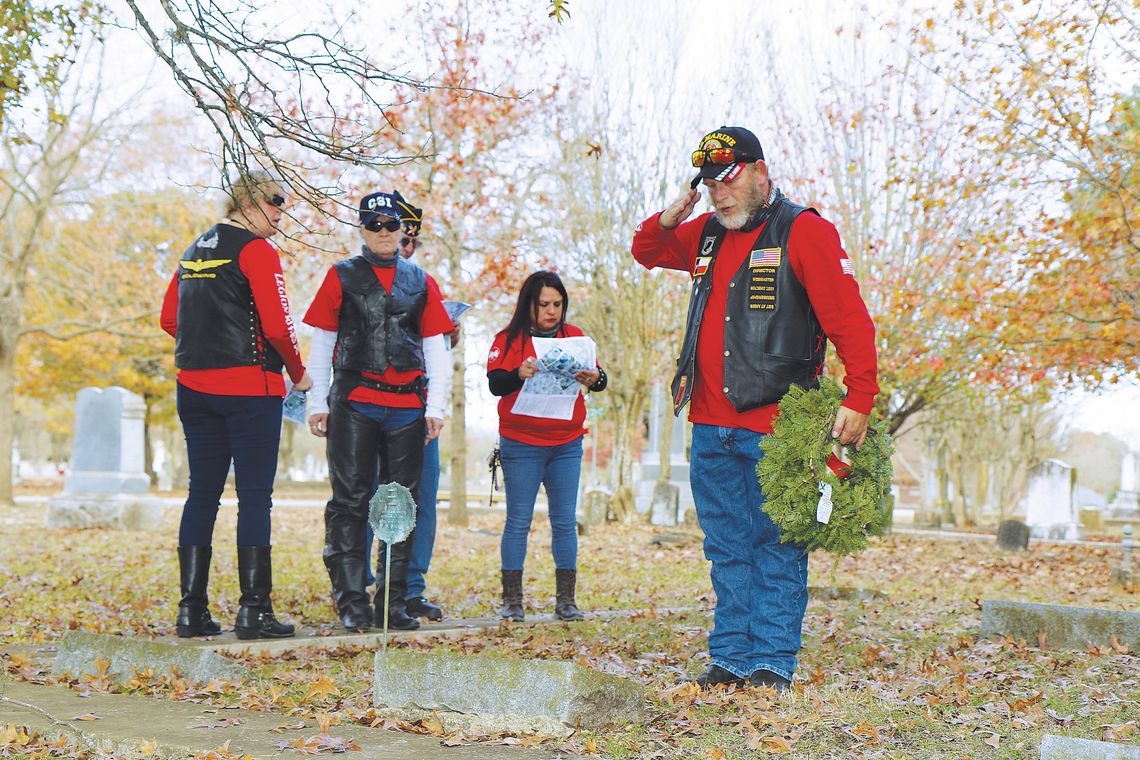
(249,188)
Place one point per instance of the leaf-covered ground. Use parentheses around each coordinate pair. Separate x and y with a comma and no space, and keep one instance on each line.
(896,677)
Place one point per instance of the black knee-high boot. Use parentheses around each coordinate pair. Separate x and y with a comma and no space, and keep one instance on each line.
(255,619)
(193,610)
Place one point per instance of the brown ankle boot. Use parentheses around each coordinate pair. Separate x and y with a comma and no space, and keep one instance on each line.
(564,606)
(512,595)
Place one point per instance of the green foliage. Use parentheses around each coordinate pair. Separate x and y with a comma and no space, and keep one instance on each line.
(559,10)
(795,463)
(36,37)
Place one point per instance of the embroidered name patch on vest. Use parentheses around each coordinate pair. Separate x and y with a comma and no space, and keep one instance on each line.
(762,279)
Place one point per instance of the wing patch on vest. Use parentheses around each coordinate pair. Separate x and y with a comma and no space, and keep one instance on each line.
(199,265)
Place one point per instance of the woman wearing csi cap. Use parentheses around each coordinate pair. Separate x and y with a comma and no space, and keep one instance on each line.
(380,326)
(227,310)
(538,451)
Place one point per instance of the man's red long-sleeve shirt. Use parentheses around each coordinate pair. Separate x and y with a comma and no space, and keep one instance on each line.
(821,265)
(260,264)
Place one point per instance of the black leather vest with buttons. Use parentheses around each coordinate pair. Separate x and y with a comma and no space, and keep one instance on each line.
(218,323)
(376,329)
(772,338)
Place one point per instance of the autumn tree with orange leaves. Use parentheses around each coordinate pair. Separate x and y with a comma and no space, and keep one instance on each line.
(1053,90)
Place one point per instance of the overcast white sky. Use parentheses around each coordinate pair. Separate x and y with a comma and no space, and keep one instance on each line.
(707,43)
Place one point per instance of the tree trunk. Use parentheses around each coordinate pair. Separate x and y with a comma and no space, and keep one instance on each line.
(8,323)
(148,443)
(665,445)
(457,508)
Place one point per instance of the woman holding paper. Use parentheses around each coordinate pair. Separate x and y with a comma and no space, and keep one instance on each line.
(538,450)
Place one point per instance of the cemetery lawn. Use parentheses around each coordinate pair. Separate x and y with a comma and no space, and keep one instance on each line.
(905,676)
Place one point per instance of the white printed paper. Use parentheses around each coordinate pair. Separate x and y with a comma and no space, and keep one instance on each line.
(823,508)
(553,391)
(293,407)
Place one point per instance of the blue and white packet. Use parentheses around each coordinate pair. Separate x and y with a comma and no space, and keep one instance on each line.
(294,405)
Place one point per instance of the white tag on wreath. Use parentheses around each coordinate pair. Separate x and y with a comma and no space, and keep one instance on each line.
(823,508)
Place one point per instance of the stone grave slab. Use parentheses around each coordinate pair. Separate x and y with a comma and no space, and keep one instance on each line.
(665,508)
(535,695)
(79,653)
(1055,747)
(1063,626)
(844,593)
(175,729)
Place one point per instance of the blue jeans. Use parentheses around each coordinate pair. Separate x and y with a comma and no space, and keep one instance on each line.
(244,430)
(760,584)
(390,418)
(525,467)
(423,540)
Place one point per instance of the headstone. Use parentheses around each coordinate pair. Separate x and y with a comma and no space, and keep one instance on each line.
(118,657)
(1126,503)
(1090,520)
(593,508)
(1049,506)
(1055,747)
(1013,535)
(108,486)
(666,505)
(1061,626)
(526,691)
(650,473)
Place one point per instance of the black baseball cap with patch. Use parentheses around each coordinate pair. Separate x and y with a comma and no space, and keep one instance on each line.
(723,154)
(411,217)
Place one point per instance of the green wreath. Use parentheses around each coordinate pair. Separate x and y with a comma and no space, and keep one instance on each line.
(795,463)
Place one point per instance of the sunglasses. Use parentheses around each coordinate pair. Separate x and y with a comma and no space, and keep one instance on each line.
(276,200)
(376,225)
(719,157)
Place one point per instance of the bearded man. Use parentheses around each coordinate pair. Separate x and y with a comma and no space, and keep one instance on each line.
(771,286)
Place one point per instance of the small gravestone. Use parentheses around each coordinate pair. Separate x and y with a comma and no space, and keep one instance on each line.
(1013,535)
(1065,748)
(118,657)
(520,695)
(1090,519)
(1126,502)
(666,505)
(594,508)
(1049,509)
(108,486)
(1060,626)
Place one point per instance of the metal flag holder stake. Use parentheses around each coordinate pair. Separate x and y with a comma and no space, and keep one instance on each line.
(392,515)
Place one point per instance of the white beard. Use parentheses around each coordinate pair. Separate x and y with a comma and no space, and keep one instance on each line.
(735,220)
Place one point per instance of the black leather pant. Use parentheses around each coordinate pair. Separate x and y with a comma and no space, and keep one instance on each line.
(356,447)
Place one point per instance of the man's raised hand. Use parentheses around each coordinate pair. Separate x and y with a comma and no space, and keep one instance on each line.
(679,210)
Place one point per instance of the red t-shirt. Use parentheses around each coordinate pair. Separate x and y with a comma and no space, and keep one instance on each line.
(537,431)
(325,314)
(821,265)
(259,262)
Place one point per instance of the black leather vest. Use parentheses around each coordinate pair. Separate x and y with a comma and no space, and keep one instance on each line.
(377,330)
(772,338)
(218,324)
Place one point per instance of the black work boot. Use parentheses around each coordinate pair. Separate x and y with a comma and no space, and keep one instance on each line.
(398,617)
(419,606)
(715,676)
(564,606)
(512,595)
(344,559)
(193,609)
(762,679)
(255,619)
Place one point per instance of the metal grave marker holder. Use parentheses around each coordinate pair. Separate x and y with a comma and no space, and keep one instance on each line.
(392,515)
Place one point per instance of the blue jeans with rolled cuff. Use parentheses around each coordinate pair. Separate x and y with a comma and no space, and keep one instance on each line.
(760,583)
(525,468)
